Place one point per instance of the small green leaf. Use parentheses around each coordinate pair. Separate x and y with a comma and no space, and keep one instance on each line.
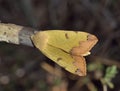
(109,75)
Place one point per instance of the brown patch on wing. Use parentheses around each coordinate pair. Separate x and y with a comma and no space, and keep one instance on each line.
(80,63)
(84,46)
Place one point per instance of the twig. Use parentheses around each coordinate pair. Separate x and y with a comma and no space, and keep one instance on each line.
(104,87)
(16,34)
(106,61)
(91,86)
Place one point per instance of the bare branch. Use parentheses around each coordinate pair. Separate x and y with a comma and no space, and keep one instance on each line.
(16,34)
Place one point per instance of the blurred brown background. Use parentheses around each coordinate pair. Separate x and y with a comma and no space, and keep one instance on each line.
(23,68)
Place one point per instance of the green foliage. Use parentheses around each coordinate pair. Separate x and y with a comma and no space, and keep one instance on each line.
(109,75)
(57,81)
(95,66)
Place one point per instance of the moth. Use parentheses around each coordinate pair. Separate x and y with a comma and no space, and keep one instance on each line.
(66,48)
